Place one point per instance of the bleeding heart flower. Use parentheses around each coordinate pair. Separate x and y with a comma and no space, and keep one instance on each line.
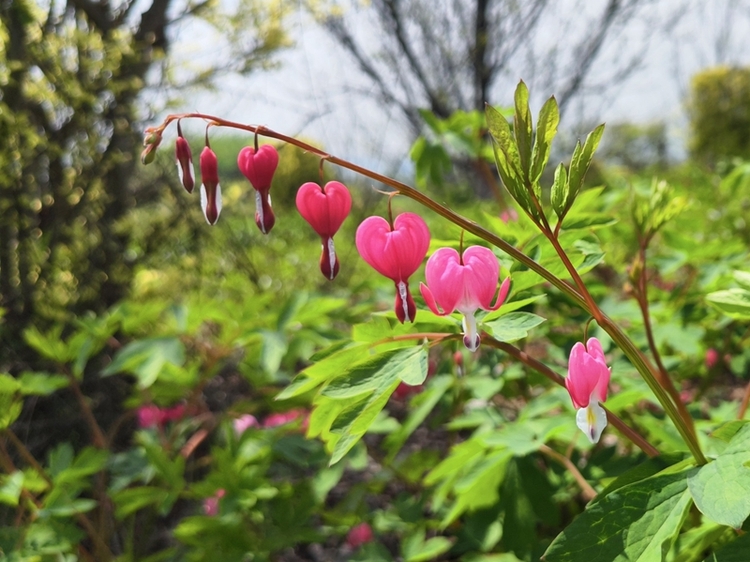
(184,161)
(587,382)
(325,209)
(210,188)
(395,252)
(464,284)
(258,167)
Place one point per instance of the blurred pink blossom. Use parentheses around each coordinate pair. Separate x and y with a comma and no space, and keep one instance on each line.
(150,415)
(245,422)
(280,418)
(509,215)
(359,535)
(712,357)
(211,505)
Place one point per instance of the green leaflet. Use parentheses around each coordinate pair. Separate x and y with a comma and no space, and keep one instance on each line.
(636,523)
(721,489)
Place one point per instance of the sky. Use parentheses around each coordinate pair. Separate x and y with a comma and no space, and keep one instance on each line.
(316,91)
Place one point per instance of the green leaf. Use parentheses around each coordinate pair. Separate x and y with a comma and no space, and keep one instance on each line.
(327,367)
(513,326)
(733,302)
(590,221)
(146,358)
(10,407)
(480,486)
(49,345)
(546,129)
(131,500)
(637,523)
(579,165)
(272,351)
(523,127)
(742,278)
(560,189)
(735,551)
(380,371)
(41,384)
(11,488)
(421,407)
(721,489)
(415,549)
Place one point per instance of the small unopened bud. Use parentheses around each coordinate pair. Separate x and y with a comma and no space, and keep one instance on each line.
(151,141)
(210,188)
(184,163)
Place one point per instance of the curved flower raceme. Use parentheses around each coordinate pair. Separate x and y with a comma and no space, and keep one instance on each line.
(325,209)
(463,283)
(395,252)
(587,382)
(210,188)
(258,166)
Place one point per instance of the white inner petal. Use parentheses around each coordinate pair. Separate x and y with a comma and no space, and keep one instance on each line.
(259,212)
(331,255)
(404,302)
(592,420)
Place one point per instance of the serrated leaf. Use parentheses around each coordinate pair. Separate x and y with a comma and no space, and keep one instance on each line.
(721,489)
(560,189)
(637,523)
(546,129)
(513,326)
(49,345)
(734,302)
(579,165)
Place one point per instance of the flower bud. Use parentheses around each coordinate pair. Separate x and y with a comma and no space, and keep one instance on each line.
(210,188)
(184,163)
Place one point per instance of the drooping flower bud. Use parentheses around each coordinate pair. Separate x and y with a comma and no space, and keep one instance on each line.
(151,141)
(325,209)
(464,283)
(184,161)
(210,188)
(258,167)
(396,252)
(587,382)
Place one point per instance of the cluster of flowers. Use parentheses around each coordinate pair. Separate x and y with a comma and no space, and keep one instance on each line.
(455,282)
(463,283)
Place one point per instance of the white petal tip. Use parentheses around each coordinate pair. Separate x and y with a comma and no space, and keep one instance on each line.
(592,420)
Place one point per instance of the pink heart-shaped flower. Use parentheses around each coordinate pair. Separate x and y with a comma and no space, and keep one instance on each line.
(395,253)
(324,208)
(258,166)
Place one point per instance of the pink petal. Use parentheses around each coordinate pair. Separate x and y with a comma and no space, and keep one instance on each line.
(445,279)
(258,167)
(576,382)
(429,300)
(396,253)
(480,278)
(325,209)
